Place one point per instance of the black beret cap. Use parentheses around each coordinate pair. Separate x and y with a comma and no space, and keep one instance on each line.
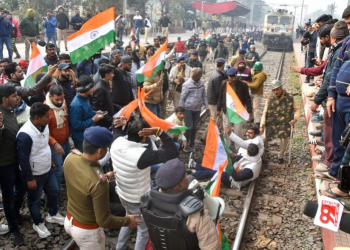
(98,136)
(170,174)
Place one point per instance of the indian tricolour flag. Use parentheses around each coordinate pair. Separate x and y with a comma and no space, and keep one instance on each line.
(37,65)
(132,34)
(235,110)
(207,36)
(213,189)
(94,35)
(155,63)
(155,121)
(216,152)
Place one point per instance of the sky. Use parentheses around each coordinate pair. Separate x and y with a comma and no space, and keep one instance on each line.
(314,5)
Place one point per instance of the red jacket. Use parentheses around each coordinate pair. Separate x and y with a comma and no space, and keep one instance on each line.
(58,135)
(180,47)
(15,23)
(314,71)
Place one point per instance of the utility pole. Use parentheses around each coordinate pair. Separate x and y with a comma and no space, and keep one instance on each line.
(302,9)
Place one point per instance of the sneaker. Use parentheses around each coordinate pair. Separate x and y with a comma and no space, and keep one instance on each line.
(18,57)
(321,167)
(317,119)
(41,230)
(188,149)
(315,133)
(280,161)
(4,229)
(316,158)
(59,219)
(17,238)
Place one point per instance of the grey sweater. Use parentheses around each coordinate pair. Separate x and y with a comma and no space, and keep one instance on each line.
(193,95)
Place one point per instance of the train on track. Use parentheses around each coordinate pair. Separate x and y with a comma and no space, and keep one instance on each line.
(278,30)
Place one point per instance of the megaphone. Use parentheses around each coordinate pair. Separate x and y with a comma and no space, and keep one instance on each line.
(215,205)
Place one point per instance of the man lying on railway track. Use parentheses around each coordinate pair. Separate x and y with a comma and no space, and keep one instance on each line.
(245,169)
(280,113)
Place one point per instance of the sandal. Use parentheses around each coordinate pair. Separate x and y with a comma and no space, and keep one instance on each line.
(329,193)
(314,141)
(323,176)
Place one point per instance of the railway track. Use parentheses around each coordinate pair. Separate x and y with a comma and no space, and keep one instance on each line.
(272,71)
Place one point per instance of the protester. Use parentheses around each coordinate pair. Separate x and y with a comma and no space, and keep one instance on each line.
(59,131)
(221,51)
(257,90)
(102,99)
(14,35)
(24,66)
(128,50)
(51,57)
(132,158)
(34,150)
(9,169)
(244,73)
(139,47)
(88,209)
(21,111)
(193,97)
(65,58)
(137,22)
(178,118)
(242,91)
(88,15)
(5,34)
(120,23)
(15,75)
(49,24)
(154,99)
(63,79)
(280,113)
(178,75)
(195,230)
(29,28)
(62,27)
(3,63)
(192,61)
(164,23)
(77,21)
(80,112)
(311,36)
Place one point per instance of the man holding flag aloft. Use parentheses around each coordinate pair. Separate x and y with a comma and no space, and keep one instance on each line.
(281,112)
(234,103)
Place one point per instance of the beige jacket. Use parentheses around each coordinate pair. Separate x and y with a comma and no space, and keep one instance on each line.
(157,95)
(203,226)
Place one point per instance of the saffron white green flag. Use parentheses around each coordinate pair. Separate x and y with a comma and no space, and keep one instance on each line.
(36,65)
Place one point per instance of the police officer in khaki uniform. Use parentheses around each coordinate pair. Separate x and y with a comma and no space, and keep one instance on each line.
(88,209)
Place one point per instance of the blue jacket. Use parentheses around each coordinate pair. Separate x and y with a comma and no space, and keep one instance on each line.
(50,25)
(80,117)
(76,19)
(5,27)
(340,78)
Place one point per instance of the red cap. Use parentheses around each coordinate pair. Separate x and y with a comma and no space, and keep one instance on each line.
(23,64)
(242,61)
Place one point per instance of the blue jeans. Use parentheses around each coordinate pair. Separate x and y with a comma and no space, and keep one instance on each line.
(137,33)
(48,183)
(155,109)
(191,120)
(154,169)
(52,38)
(13,192)
(7,41)
(341,117)
(203,173)
(58,160)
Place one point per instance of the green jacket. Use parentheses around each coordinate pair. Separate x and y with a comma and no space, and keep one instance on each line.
(29,27)
(8,147)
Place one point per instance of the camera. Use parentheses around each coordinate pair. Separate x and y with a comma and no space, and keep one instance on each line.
(344,177)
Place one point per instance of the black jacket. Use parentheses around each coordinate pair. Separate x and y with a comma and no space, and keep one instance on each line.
(50,61)
(242,92)
(121,91)
(164,21)
(214,86)
(193,64)
(62,21)
(102,100)
(68,89)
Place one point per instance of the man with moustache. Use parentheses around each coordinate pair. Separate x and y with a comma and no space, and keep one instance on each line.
(65,82)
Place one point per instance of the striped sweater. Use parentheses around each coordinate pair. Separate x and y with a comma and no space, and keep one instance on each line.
(340,78)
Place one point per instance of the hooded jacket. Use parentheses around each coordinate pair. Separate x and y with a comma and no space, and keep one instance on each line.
(257,86)
(214,86)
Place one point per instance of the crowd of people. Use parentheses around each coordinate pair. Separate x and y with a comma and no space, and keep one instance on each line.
(64,126)
(326,45)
